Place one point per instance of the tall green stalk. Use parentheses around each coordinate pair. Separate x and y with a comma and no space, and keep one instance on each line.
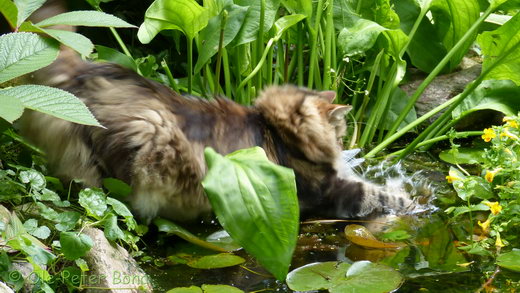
(314,44)
(435,72)
(190,65)
(327,49)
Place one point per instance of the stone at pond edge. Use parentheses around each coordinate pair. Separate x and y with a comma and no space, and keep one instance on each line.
(111,266)
(5,289)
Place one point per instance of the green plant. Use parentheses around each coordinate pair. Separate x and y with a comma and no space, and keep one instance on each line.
(491,201)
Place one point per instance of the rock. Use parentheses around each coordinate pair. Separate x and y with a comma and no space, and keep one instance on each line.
(112,268)
(5,289)
(442,88)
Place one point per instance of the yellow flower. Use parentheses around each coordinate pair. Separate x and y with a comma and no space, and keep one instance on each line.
(453,176)
(498,242)
(485,225)
(489,134)
(510,121)
(495,207)
(490,175)
(506,133)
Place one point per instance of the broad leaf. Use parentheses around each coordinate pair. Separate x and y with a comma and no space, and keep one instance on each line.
(11,108)
(216,261)
(359,37)
(94,201)
(398,102)
(21,53)
(249,31)
(361,276)
(111,229)
(26,8)
(498,95)
(211,33)
(255,201)
(463,156)
(31,226)
(112,55)
(169,227)
(220,289)
(85,18)
(76,41)
(74,246)
(184,15)
(9,11)
(510,260)
(299,7)
(35,179)
(52,101)
(284,23)
(502,43)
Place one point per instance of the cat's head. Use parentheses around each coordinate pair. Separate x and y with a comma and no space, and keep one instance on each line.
(306,120)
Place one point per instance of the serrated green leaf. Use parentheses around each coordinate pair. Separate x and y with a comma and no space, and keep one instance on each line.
(85,18)
(10,12)
(256,203)
(26,8)
(52,101)
(94,201)
(21,53)
(74,246)
(77,42)
(184,15)
(11,108)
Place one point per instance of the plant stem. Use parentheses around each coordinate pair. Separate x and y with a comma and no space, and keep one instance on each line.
(258,66)
(314,43)
(227,74)
(190,64)
(171,80)
(440,138)
(329,31)
(260,44)
(220,47)
(299,54)
(434,73)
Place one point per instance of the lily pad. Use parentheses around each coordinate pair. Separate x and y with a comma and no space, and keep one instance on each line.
(361,236)
(362,276)
(216,261)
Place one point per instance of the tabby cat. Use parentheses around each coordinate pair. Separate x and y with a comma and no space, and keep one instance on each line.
(154,140)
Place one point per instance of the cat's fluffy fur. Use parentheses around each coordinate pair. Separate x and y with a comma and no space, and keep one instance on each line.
(154,140)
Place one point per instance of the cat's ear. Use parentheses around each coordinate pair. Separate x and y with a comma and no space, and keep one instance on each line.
(338,112)
(328,95)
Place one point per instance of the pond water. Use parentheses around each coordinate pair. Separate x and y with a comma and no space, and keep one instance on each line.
(430,262)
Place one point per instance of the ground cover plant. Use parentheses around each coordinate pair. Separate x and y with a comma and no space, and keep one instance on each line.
(361,49)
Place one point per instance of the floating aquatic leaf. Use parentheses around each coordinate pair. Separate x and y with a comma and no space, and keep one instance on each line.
(361,236)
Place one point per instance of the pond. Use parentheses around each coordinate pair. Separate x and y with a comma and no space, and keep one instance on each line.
(428,259)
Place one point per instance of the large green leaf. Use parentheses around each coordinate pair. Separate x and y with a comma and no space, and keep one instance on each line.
(361,276)
(94,201)
(360,37)
(21,53)
(284,23)
(399,100)
(510,260)
(498,95)
(452,19)
(299,6)
(11,108)
(216,261)
(503,43)
(85,18)
(210,35)
(74,246)
(112,55)
(255,201)
(9,11)
(184,15)
(52,101)
(249,30)
(76,41)
(26,8)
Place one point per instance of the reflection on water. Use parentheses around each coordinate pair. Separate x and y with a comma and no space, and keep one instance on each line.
(429,261)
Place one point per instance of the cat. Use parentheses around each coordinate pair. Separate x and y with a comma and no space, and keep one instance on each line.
(154,140)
